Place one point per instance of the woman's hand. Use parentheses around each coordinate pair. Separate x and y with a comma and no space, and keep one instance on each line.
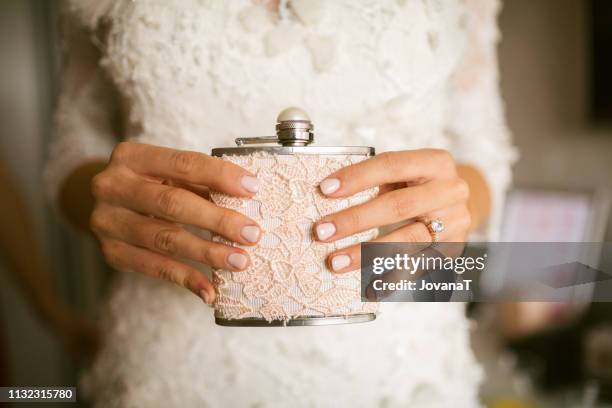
(415,185)
(146,193)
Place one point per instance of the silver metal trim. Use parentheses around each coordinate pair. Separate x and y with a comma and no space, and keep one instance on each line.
(287,150)
(299,321)
(241,141)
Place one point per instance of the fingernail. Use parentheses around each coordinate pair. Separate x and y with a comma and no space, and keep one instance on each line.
(329,186)
(206,297)
(325,230)
(339,262)
(237,260)
(250,183)
(250,233)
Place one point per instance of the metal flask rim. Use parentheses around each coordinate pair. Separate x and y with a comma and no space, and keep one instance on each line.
(291,150)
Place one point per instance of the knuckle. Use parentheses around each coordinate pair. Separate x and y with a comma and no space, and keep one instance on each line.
(206,255)
(184,162)
(353,221)
(390,161)
(97,221)
(165,240)
(110,252)
(441,155)
(225,221)
(224,169)
(400,206)
(169,202)
(121,151)
(443,158)
(100,185)
(463,189)
(210,255)
(166,271)
(187,281)
(465,219)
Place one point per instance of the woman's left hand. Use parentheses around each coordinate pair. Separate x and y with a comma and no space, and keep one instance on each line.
(415,185)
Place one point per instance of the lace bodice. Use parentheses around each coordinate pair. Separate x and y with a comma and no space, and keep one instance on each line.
(194,74)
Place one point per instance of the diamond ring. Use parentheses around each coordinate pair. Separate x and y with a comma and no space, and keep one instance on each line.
(435,227)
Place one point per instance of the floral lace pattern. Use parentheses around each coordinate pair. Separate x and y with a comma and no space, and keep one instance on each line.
(196,74)
(288,277)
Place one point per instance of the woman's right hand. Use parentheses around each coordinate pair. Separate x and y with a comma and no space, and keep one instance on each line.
(144,196)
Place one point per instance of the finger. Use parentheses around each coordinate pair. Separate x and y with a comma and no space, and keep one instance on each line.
(348,259)
(200,190)
(414,166)
(392,207)
(455,221)
(167,239)
(415,265)
(184,207)
(130,258)
(186,166)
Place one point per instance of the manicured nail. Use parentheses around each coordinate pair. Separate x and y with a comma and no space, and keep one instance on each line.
(250,183)
(329,186)
(206,297)
(325,230)
(339,262)
(250,233)
(237,260)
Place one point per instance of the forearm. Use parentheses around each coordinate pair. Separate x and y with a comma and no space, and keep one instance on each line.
(20,250)
(479,203)
(75,198)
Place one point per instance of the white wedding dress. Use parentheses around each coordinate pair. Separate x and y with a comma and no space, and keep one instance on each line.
(195,74)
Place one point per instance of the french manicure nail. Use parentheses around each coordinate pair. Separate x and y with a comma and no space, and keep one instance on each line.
(250,233)
(339,262)
(237,260)
(250,183)
(325,230)
(329,186)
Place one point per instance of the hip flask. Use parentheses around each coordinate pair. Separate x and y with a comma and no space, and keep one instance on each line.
(288,283)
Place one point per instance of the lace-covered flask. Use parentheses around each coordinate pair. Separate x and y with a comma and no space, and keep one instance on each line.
(288,283)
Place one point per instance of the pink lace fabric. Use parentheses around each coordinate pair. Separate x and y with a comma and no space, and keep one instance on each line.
(288,277)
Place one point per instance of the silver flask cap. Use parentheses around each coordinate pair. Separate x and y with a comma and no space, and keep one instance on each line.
(293,128)
(294,134)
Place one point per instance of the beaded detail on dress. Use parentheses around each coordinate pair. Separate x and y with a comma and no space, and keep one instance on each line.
(288,277)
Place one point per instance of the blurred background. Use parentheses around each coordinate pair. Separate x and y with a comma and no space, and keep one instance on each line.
(556,77)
